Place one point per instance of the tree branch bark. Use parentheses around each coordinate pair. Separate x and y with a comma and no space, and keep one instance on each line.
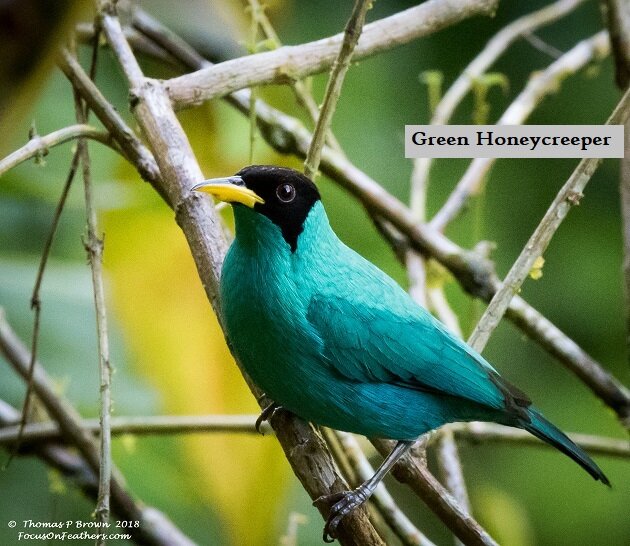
(290,63)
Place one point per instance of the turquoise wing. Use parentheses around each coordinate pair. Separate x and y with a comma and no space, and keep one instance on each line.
(373,332)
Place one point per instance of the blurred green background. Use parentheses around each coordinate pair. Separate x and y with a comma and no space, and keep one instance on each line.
(168,353)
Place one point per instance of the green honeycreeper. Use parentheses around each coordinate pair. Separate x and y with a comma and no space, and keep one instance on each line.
(330,337)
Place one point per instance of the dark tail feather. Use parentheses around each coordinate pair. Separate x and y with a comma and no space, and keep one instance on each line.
(545,431)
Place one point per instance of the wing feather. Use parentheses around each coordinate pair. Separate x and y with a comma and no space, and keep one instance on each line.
(383,336)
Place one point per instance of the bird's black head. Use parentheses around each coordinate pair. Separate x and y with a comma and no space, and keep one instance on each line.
(283,195)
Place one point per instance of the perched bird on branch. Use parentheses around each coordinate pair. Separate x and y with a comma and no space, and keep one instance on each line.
(333,339)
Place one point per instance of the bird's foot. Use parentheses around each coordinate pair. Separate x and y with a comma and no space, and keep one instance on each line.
(267,413)
(342,504)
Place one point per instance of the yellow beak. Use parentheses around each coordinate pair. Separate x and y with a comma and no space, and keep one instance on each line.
(231,189)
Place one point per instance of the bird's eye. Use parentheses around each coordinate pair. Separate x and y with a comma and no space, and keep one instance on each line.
(285,192)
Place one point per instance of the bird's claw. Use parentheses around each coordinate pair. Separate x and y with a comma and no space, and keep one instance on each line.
(267,413)
(342,504)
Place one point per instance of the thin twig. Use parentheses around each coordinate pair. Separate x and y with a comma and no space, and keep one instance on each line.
(155,528)
(63,459)
(36,301)
(297,62)
(290,538)
(111,119)
(149,425)
(497,45)
(94,248)
(38,146)
(448,459)
(451,470)
(539,86)
(300,90)
(351,36)
(568,196)
(482,433)
(49,431)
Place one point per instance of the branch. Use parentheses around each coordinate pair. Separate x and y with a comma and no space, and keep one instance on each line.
(452,473)
(497,45)
(449,462)
(296,62)
(302,93)
(49,431)
(540,85)
(351,36)
(477,433)
(569,195)
(110,118)
(201,225)
(72,466)
(408,470)
(155,527)
(150,425)
(38,146)
(35,299)
(94,248)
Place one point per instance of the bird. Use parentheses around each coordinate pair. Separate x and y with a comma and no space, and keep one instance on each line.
(334,340)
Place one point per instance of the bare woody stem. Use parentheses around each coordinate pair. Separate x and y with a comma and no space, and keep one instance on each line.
(351,36)
(497,45)
(35,298)
(300,90)
(480,433)
(38,146)
(569,195)
(94,248)
(133,148)
(49,431)
(297,62)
